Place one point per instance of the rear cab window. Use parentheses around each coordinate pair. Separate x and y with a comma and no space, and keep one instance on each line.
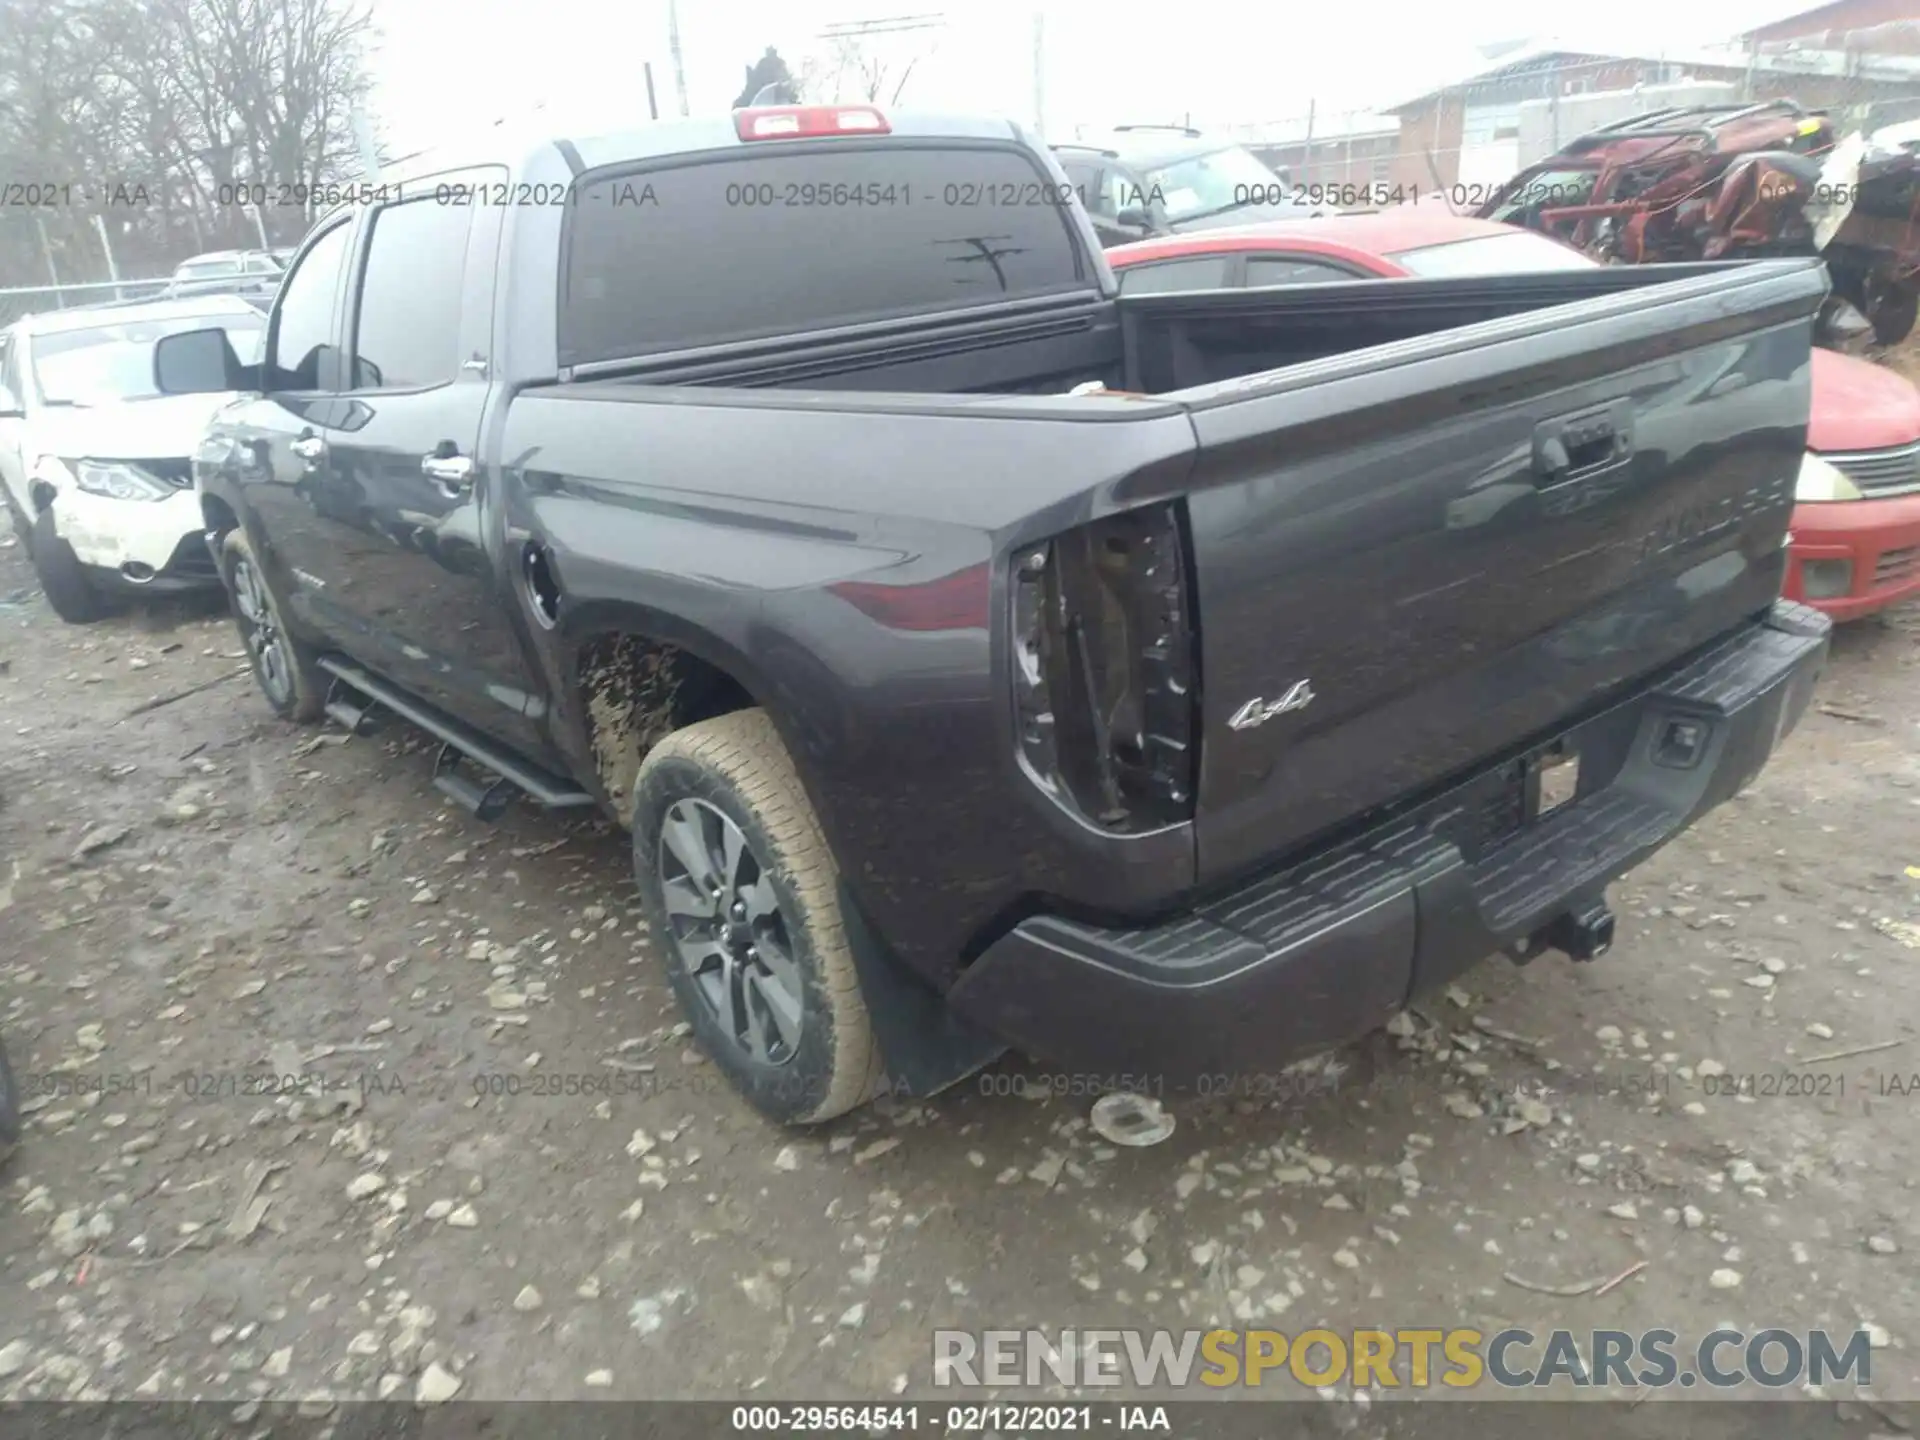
(767,242)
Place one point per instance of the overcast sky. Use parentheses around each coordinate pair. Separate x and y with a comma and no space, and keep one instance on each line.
(445,67)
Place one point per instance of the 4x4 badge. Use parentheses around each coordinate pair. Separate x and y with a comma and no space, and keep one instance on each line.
(1258,711)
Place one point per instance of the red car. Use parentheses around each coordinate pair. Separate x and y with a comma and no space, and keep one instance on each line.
(1856,528)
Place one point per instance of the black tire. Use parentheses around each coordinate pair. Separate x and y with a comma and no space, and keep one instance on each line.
(63,579)
(773,949)
(1892,313)
(284,666)
(10,1118)
(22,527)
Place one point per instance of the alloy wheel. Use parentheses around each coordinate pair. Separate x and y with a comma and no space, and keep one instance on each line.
(260,629)
(728,930)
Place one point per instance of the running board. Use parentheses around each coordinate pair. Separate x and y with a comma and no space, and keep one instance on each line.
(485,795)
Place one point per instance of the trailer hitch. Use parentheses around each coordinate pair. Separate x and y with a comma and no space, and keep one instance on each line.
(1584,932)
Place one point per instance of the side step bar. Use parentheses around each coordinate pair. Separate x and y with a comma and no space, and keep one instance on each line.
(356,693)
(351,708)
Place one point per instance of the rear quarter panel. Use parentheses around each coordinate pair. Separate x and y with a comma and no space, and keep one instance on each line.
(680,514)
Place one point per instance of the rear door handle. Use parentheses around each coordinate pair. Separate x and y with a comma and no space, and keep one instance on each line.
(310,448)
(450,472)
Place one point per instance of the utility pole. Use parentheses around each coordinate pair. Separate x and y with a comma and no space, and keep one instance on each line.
(46,249)
(106,245)
(673,44)
(364,143)
(1040,73)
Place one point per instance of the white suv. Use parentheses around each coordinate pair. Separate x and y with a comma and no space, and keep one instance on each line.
(96,467)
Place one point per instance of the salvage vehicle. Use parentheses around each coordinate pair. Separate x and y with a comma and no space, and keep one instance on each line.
(95,465)
(1856,528)
(252,274)
(980,657)
(1171,180)
(1720,182)
(1856,521)
(1871,241)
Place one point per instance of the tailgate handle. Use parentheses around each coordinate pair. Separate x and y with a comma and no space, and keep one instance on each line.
(1574,446)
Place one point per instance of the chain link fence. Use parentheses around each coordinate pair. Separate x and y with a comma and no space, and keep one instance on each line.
(20,301)
(67,241)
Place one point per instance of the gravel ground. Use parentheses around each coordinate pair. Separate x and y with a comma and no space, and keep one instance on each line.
(193,893)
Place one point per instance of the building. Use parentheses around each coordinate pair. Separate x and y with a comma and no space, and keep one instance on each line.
(1344,150)
(1878,26)
(1466,136)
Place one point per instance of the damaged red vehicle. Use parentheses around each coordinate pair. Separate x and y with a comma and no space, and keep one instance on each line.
(1856,526)
(1726,182)
(1856,521)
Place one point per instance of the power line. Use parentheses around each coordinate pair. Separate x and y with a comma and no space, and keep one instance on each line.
(891,25)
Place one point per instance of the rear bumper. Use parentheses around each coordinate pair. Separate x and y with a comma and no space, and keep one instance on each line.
(1878,539)
(1329,947)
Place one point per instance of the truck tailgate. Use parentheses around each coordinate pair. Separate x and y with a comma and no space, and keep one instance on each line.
(1415,557)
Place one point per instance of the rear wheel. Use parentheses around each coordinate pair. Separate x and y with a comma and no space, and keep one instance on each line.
(74,597)
(22,526)
(284,666)
(1891,309)
(742,899)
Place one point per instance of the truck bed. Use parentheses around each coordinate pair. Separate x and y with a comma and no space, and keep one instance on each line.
(1359,471)
(1151,343)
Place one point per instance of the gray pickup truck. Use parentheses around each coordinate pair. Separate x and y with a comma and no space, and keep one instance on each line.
(1167,686)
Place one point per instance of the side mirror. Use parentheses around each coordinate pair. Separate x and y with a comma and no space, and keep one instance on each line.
(200,362)
(1133,217)
(10,406)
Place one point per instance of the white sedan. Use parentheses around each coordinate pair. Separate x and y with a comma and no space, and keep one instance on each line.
(95,466)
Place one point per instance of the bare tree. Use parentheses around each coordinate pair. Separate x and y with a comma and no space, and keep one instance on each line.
(863,67)
(160,120)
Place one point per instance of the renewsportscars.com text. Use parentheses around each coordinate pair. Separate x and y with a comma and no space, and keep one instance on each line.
(1411,1358)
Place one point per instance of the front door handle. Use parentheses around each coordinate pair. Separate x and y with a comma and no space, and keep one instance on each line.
(450,472)
(310,448)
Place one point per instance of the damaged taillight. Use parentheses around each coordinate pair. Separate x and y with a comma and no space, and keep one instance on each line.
(1104,669)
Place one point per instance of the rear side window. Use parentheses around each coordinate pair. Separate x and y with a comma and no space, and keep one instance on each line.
(804,239)
(407,336)
(1198,272)
(1265,270)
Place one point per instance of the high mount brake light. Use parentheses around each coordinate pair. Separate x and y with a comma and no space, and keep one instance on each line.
(802,122)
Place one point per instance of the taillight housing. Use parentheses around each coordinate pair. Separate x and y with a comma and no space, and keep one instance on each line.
(1105,669)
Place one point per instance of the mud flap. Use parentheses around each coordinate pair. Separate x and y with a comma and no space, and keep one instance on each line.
(926,1047)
